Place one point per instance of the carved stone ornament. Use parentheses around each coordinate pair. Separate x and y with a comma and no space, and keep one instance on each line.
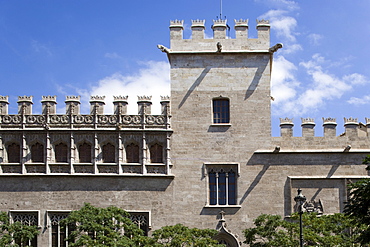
(225,236)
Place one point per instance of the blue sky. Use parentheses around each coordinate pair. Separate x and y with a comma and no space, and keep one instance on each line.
(96,47)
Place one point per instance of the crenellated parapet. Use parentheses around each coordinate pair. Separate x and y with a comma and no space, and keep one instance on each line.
(352,127)
(199,43)
(73,119)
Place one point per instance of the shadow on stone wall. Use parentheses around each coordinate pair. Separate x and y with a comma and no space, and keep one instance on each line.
(82,183)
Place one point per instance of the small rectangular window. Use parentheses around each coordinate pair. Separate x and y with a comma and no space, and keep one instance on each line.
(221,111)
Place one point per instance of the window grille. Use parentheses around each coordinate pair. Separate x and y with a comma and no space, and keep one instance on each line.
(221,111)
(141,220)
(29,219)
(59,233)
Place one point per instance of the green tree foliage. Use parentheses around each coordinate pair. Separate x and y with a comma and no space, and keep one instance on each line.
(103,227)
(111,227)
(182,236)
(15,234)
(325,230)
(358,206)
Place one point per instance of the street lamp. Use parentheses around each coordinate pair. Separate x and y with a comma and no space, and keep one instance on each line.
(300,199)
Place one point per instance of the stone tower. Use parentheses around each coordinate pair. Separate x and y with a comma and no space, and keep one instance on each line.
(220,102)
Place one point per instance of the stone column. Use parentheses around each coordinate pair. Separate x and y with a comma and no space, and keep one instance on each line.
(219,29)
(286,127)
(308,127)
(49,104)
(4,105)
(263,30)
(367,126)
(176,29)
(351,127)
(165,103)
(25,105)
(330,126)
(197,28)
(241,29)
(73,105)
(97,105)
(144,105)
(120,105)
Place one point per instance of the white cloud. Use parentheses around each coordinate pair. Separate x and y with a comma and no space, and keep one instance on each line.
(322,86)
(288,4)
(365,100)
(315,38)
(152,80)
(292,49)
(283,81)
(356,79)
(283,24)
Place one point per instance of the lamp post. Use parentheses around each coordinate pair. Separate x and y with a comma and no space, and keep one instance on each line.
(300,199)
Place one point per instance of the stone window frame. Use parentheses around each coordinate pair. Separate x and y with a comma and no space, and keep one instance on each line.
(221,166)
(13,213)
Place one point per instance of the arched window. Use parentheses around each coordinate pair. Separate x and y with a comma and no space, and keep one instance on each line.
(37,152)
(109,152)
(156,153)
(61,153)
(84,153)
(132,153)
(221,111)
(14,153)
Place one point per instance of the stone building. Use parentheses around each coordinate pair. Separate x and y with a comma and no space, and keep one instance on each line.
(208,159)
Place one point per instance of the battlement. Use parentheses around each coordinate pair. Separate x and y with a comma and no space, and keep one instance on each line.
(72,104)
(198,42)
(352,127)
